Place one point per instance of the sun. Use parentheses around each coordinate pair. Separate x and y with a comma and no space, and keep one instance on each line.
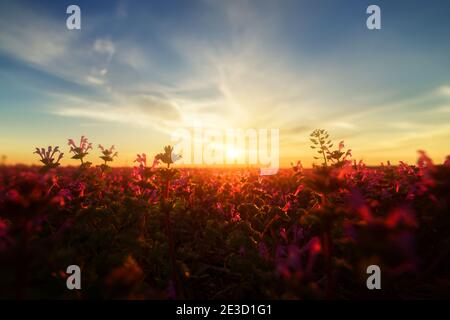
(233,153)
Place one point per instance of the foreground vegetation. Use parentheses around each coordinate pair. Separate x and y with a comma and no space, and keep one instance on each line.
(155,232)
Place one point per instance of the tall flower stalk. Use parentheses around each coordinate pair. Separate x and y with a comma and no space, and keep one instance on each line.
(168,174)
(48,157)
(81,151)
(108,155)
(325,184)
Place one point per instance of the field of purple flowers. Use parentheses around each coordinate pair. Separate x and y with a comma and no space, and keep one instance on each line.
(158,232)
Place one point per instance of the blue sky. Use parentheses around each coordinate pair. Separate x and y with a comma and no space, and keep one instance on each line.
(139,69)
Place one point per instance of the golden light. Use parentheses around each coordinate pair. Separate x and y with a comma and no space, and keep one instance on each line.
(233,154)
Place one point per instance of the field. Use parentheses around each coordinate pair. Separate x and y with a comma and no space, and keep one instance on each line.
(158,232)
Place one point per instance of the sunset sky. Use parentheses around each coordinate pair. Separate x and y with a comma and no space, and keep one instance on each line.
(138,70)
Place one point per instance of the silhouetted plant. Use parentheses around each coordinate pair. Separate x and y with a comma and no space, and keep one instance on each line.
(340,156)
(48,157)
(107,156)
(321,142)
(319,139)
(325,182)
(81,151)
(143,175)
(168,157)
(167,175)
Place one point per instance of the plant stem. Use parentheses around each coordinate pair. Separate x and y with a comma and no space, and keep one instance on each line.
(328,262)
(172,255)
(323,152)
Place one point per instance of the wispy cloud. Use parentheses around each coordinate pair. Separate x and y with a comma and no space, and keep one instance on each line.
(31,37)
(444,90)
(105,46)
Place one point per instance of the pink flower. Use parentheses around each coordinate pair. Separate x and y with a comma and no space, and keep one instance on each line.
(424,160)
(236,217)
(283,234)
(141,159)
(299,189)
(80,151)
(287,206)
(48,156)
(315,246)
(447,161)
(401,216)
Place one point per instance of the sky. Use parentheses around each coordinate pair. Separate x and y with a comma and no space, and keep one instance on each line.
(138,70)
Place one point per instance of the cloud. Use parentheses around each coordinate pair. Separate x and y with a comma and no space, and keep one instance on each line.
(254,86)
(403,125)
(343,125)
(41,42)
(107,114)
(105,46)
(133,57)
(140,110)
(94,80)
(229,81)
(29,36)
(122,10)
(153,105)
(444,90)
(442,110)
